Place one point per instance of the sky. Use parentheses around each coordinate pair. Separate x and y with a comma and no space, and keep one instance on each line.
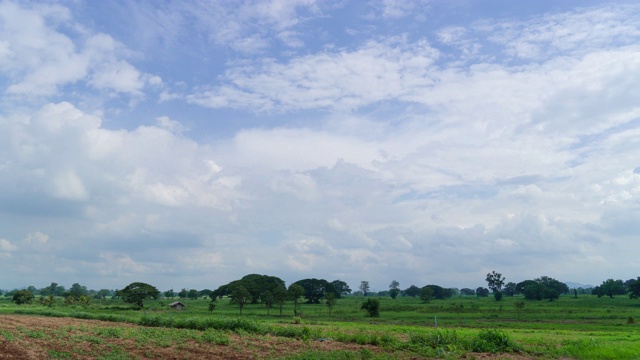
(186,144)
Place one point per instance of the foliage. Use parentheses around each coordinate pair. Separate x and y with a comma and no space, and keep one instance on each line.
(341,288)
(482,292)
(493,341)
(610,288)
(364,287)
(426,294)
(48,300)
(280,296)
(254,283)
(372,306)
(394,293)
(509,289)
(137,292)
(542,288)
(467,292)
(22,297)
(170,294)
(634,288)
(267,299)
(412,291)
(495,281)
(330,300)
(294,292)
(314,289)
(240,296)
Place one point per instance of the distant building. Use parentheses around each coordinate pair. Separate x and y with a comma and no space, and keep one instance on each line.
(177,305)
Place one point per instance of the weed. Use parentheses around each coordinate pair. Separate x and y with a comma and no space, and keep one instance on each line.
(493,341)
(54,354)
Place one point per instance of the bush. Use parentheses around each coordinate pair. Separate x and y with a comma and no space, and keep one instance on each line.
(493,341)
(372,306)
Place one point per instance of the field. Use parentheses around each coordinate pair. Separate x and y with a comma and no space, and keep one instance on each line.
(586,327)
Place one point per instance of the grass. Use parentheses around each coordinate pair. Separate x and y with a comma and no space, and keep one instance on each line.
(586,327)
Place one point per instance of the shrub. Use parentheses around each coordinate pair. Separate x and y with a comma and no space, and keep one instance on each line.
(372,306)
(493,341)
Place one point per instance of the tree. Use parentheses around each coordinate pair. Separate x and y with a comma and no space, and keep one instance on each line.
(412,291)
(612,287)
(482,292)
(394,289)
(193,294)
(48,300)
(510,289)
(102,294)
(267,299)
(280,296)
(295,291)
(240,296)
(426,294)
(183,293)
(467,292)
(330,300)
(137,292)
(254,283)
(314,289)
(495,281)
(372,306)
(22,297)
(519,307)
(342,289)
(78,289)
(634,288)
(551,283)
(169,294)
(364,287)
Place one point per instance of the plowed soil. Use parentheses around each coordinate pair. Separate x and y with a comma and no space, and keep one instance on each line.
(33,337)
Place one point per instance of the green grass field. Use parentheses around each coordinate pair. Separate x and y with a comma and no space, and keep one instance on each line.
(586,327)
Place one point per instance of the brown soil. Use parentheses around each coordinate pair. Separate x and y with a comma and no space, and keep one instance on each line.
(32,337)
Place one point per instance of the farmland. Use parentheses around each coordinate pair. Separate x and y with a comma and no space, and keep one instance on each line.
(585,327)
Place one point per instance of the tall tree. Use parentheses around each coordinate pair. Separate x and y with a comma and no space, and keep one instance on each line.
(394,289)
(330,300)
(169,294)
(634,288)
(240,296)
(280,296)
(412,291)
(314,289)
(495,281)
(341,288)
(267,299)
(295,291)
(364,287)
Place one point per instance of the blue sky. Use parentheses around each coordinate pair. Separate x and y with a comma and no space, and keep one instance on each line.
(186,144)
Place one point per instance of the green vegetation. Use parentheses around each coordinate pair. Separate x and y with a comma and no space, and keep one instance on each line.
(586,327)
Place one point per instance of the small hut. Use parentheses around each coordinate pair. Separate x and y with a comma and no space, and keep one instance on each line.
(177,305)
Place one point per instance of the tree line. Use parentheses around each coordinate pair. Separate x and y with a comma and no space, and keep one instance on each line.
(271,291)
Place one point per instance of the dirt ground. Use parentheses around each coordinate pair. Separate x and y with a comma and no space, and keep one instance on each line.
(32,337)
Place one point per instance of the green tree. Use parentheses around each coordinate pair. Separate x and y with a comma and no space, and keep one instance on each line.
(21,297)
(330,300)
(280,296)
(634,288)
(394,289)
(412,291)
(240,296)
(495,281)
(48,300)
(612,287)
(169,294)
(342,289)
(482,292)
(183,293)
(268,300)
(295,291)
(314,289)
(193,294)
(510,289)
(519,307)
(364,287)
(426,294)
(137,292)
(372,306)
